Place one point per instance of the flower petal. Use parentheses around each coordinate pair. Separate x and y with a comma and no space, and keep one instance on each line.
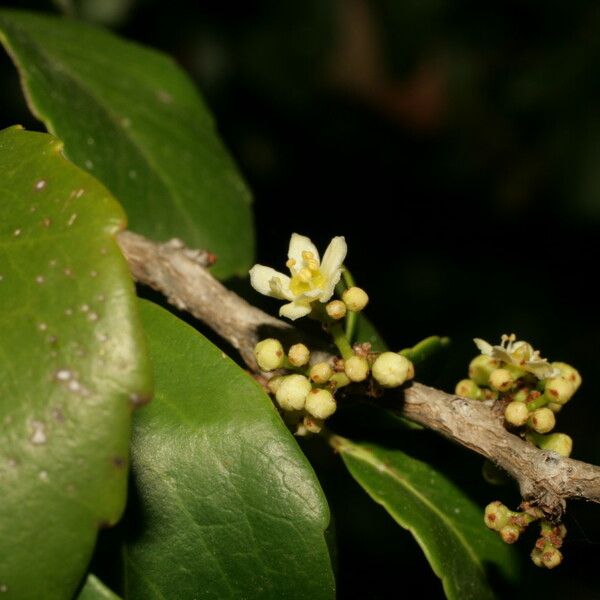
(329,287)
(334,257)
(298,244)
(270,282)
(294,310)
(542,370)
(484,347)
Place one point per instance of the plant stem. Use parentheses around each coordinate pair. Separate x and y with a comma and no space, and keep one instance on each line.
(538,402)
(425,348)
(350,316)
(341,341)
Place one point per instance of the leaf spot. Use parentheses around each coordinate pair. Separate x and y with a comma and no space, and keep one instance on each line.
(40,184)
(40,279)
(17,232)
(72,219)
(89,164)
(43,476)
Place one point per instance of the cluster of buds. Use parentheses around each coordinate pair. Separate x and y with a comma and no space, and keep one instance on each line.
(511,524)
(305,390)
(530,390)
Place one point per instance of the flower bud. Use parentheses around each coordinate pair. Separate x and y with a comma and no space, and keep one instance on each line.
(560,443)
(522,395)
(501,380)
(320,373)
(554,407)
(320,403)
(292,391)
(481,367)
(516,413)
(559,390)
(468,389)
(569,373)
(356,368)
(496,515)
(542,420)
(355,299)
(336,309)
(510,534)
(312,424)
(391,369)
(551,557)
(269,354)
(536,557)
(298,355)
(274,384)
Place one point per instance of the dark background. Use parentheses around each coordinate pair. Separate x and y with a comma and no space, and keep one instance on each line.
(456,145)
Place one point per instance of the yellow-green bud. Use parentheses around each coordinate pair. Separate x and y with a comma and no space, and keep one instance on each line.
(336,309)
(516,413)
(521,395)
(356,368)
(355,299)
(569,373)
(298,355)
(339,380)
(510,534)
(269,354)
(559,390)
(320,403)
(542,420)
(391,369)
(560,443)
(292,391)
(468,389)
(274,384)
(551,557)
(481,367)
(312,424)
(320,373)
(501,380)
(496,515)
(536,557)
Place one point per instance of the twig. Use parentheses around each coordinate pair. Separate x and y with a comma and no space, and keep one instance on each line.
(544,478)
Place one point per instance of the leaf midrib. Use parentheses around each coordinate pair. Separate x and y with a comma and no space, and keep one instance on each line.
(366,456)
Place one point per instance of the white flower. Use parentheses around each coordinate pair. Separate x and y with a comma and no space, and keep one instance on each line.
(520,354)
(311,278)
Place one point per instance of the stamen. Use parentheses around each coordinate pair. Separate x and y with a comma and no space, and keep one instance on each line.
(290,263)
(312,264)
(304,275)
(307,255)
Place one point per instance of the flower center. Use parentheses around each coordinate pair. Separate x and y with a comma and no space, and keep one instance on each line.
(308,276)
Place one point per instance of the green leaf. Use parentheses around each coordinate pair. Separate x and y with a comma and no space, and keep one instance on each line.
(444,521)
(229,506)
(72,365)
(94,589)
(365,331)
(132,118)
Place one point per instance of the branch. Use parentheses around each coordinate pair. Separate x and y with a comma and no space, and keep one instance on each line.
(544,478)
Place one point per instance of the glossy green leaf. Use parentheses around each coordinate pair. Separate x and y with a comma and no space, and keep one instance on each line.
(444,521)
(94,589)
(228,505)
(133,119)
(73,364)
(365,331)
